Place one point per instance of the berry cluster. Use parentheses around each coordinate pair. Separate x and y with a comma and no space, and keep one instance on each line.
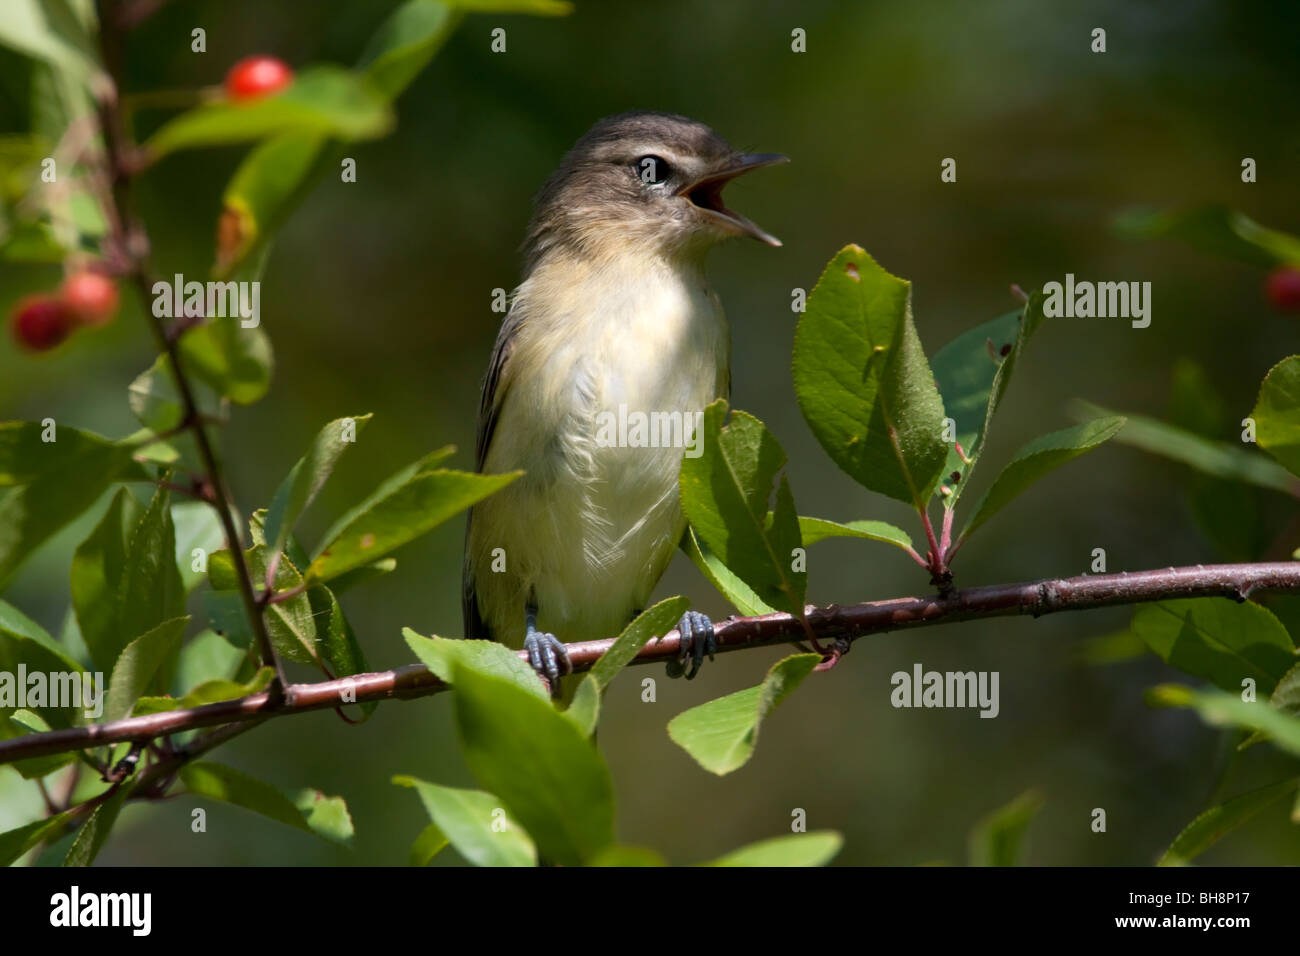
(40,322)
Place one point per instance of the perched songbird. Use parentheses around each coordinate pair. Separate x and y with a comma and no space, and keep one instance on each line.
(614,317)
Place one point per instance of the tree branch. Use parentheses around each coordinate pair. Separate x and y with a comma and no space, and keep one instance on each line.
(132,250)
(1236,581)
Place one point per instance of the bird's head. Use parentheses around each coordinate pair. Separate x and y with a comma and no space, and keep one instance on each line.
(649,182)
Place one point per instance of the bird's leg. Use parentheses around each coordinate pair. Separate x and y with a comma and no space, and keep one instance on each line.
(547,653)
(697,639)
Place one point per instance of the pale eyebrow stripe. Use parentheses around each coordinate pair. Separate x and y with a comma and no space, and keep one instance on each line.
(654,149)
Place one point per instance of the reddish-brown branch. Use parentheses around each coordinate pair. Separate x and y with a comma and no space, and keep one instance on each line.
(1236,581)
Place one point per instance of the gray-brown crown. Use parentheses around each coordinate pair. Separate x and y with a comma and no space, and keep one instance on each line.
(626,181)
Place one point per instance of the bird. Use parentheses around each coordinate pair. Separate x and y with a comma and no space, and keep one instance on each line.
(613,316)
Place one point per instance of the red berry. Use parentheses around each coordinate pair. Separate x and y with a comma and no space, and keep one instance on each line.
(257,76)
(1283,288)
(41,322)
(90,297)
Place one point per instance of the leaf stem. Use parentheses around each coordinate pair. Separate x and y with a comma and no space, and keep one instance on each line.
(945,539)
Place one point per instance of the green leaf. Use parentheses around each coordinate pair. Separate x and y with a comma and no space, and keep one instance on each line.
(324,100)
(98,568)
(813,530)
(547,774)
(291,624)
(1277,413)
(208,692)
(151,590)
(475,823)
(998,839)
(144,667)
(327,817)
(308,627)
(235,361)
(584,708)
(797,849)
(624,856)
(539,8)
(1218,821)
(972,374)
(1194,402)
(336,641)
(153,398)
(306,478)
(1286,695)
(51,31)
(219,782)
(270,181)
(90,838)
(443,655)
(406,42)
(159,452)
(207,656)
(1219,710)
(32,243)
(225,613)
(1220,459)
(367,572)
(196,525)
(1035,460)
(863,382)
(20,163)
(725,495)
(721,734)
(14,843)
(50,483)
(25,644)
(427,845)
(26,458)
(1216,230)
(652,623)
(22,722)
(415,507)
(740,594)
(389,485)
(1217,639)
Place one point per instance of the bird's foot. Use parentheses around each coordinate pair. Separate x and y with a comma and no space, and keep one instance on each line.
(697,639)
(549,657)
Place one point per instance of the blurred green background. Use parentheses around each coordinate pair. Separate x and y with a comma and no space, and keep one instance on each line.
(377,298)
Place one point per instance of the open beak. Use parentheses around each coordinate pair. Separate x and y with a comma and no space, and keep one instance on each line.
(706,193)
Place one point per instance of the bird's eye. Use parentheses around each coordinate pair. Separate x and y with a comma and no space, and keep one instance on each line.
(653,170)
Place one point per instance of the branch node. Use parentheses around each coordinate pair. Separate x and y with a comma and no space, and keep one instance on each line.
(126,766)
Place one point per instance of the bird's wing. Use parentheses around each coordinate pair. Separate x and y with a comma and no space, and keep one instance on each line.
(493,395)
(493,392)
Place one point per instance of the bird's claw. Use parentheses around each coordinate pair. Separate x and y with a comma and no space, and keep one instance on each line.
(697,639)
(549,657)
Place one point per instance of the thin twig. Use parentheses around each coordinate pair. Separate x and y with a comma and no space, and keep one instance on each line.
(834,623)
(133,247)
